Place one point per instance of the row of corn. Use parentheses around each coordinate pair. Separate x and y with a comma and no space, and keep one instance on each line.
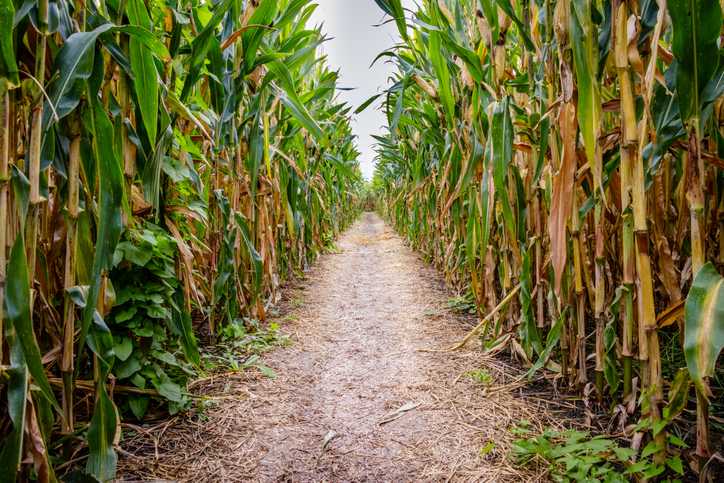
(164,166)
(562,161)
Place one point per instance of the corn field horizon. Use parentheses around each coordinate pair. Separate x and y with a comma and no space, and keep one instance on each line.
(168,168)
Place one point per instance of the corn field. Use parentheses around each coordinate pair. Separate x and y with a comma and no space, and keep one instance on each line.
(561,163)
(164,166)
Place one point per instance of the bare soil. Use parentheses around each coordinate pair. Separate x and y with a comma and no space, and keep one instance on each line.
(355,398)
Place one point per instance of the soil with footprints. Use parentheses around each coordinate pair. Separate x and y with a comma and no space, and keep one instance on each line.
(358,394)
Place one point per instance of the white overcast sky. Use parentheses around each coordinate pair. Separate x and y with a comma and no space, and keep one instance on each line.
(354,46)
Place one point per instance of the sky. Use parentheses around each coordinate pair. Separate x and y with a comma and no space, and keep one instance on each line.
(352,49)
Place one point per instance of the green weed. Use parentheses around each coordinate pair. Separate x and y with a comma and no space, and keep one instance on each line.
(481,376)
(573,455)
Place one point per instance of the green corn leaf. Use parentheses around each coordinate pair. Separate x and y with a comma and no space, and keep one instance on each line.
(696,25)
(291,100)
(554,335)
(471,230)
(254,255)
(151,174)
(182,322)
(103,427)
(146,37)
(200,48)
(21,191)
(102,431)
(8,64)
(367,103)
(528,330)
(442,71)
(502,154)
(584,41)
(394,9)
(110,187)
(252,38)
(292,12)
(145,80)
(486,211)
(678,397)
(256,151)
(181,109)
(470,58)
(385,6)
(75,65)
(704,330)
(11,446)
(17,307)
(394,120)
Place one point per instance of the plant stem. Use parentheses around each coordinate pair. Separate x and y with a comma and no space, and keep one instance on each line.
(600,297)
(581,377)
(36,139)
(628,146)
(66,362)
(695,197)
(648,335)
(4,184)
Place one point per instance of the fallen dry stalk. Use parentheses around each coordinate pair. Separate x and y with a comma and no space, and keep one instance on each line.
(482,323)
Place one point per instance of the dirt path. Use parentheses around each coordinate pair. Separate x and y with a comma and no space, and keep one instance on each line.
(354,361)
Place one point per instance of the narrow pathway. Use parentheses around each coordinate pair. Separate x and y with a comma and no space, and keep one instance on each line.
(355,400)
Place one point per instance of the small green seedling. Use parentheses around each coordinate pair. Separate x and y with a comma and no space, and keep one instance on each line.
(481,376)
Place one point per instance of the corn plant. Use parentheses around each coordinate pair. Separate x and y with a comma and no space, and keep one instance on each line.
(164,166)
(566,158)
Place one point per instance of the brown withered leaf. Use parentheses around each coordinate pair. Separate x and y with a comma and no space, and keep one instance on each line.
(670,314)
(188,264)
(562,199)
(665,258)
(35,444)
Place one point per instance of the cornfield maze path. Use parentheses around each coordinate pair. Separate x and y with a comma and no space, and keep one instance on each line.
(355,399)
